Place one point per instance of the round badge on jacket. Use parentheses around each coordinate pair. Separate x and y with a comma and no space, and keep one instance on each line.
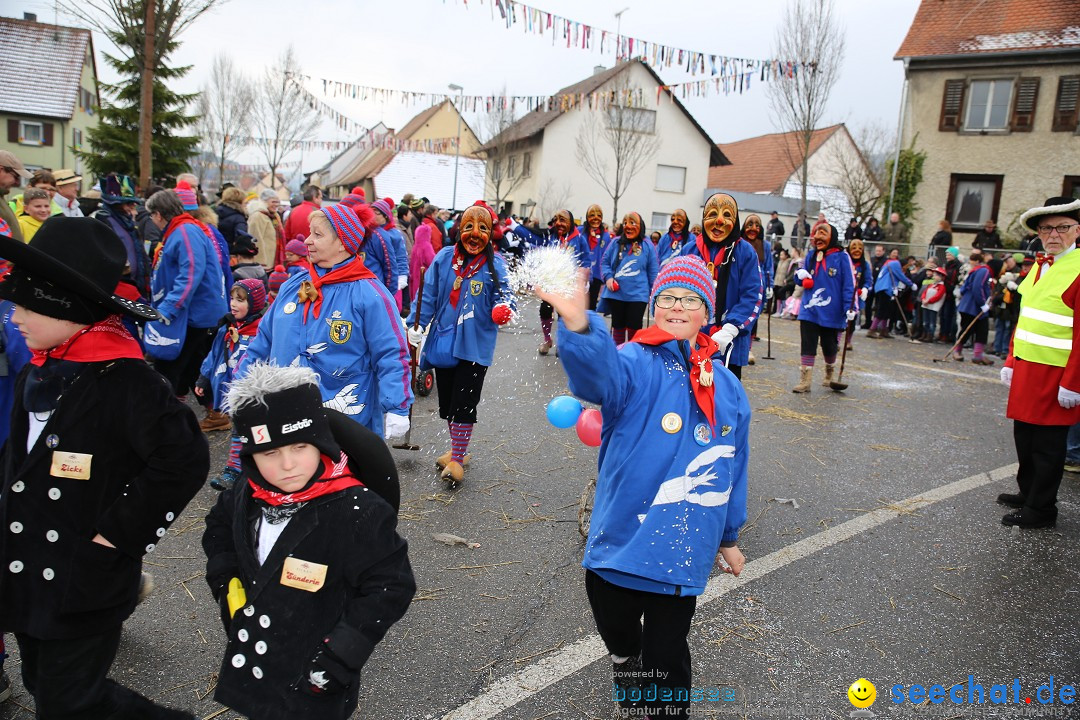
(671,423)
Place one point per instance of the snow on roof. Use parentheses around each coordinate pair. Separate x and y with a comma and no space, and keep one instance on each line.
(432,175)
(54,55)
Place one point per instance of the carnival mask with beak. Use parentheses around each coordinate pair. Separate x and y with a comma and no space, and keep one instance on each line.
(720,218)
(475,230)
(594,217)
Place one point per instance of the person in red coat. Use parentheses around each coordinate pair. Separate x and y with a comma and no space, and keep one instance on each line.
(1042,370)
(297,222)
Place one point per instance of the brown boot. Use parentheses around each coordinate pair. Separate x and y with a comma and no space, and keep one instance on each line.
(545,347)
(828,375)
(453,473)
(804,380)
(444,460)
(215,420)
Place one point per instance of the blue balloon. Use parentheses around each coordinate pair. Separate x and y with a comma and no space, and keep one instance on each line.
(563,411)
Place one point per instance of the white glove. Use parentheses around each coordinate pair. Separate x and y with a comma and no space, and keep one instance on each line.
(801,274)
(512,224)
(416,336)
(1006,376)
(395,426)
(1067,398)
(1011,285)
(512,241)
(851,315)
(957,294)
(863,293)
(725,336)
(898,289)
(402,282)
(768,293)
(985,308)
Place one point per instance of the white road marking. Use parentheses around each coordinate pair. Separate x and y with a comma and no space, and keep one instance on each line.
(982,378)
(512,689)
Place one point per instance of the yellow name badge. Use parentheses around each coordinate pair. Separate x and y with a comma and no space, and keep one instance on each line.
(71,465)
(303,575)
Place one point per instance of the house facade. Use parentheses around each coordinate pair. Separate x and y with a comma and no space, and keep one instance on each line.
(993,99)
(47,119)
(839,180)
(536,162)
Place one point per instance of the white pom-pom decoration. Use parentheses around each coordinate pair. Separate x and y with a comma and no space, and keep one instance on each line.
(553,268)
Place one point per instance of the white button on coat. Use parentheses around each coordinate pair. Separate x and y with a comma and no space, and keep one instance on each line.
(260,647)
(18,486)
(264,620)
(48,574)
(54,493)
(257,672)
(16,566)
(52,536)
(16,527)
(238,660)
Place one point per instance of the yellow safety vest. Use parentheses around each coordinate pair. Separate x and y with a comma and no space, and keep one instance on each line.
(1044,332)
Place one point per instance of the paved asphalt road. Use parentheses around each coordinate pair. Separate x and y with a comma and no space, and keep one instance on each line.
(890,564)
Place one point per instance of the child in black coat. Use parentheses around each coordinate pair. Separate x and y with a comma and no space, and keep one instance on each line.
(303,555)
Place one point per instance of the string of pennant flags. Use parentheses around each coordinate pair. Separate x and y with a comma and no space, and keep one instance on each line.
(579,35)
(367,140)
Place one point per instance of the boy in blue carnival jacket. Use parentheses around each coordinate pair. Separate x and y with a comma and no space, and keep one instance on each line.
(671,490)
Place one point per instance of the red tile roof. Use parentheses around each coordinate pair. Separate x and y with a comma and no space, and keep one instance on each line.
(961,27)
(763,163)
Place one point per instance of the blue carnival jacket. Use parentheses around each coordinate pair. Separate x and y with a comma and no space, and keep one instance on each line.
(474,330)
(890,277)
(864,278)
(826,304)
(576,241)
(188,276)
(671,246)
(377,252)
(596,254)
(223,257)
(356,345)
(15,356)
(219,365)
(401,257)
(635,272)
(742,302)
(976,290)
(669,491)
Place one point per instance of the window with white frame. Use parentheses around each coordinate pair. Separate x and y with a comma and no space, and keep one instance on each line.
(632,119)
(660,222)
(670,178)
(988,105)
(511,166)
(31,133)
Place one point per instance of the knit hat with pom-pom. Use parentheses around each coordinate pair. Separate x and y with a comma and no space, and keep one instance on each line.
(296,246)
(276,279)
(385,206)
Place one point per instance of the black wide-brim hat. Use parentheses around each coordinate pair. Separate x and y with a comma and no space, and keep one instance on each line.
(1065,206)
(75,256)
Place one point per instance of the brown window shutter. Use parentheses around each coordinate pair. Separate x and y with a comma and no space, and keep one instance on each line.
(1023,112)
(46,134)
(952,104)
(1066,105)
(12,130)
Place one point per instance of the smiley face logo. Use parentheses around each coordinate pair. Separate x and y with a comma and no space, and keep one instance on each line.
(862,693)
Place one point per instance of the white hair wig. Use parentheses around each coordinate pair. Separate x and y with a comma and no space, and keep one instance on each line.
(264,378)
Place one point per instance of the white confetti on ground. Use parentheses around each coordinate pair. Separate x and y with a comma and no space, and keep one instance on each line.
(553,268)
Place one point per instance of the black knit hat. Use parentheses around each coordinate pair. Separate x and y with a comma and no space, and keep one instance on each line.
(69,271)
(285,417)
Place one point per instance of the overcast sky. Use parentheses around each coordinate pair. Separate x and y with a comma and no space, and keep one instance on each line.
(425,45)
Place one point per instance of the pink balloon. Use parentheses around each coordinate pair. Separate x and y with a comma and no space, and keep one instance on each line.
(588,427)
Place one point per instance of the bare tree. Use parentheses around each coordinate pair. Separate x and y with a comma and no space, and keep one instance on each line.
(503,152)
(224,111)
(615,145)
(810,36)
(281,115)
(860,169)
(554,195)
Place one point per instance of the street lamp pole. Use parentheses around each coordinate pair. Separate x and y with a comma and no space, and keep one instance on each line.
(457,147)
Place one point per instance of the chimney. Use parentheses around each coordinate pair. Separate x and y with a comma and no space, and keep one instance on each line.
(597,69)
(32,17)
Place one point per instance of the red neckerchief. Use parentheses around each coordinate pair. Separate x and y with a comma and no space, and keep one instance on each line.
(247,327)
(463,273)
(181,219)
(818,264)
(310,292)
(565,240)
(334,478)
(701,374)
(706,255)
(1042,259)
(105,340)
(595,236)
